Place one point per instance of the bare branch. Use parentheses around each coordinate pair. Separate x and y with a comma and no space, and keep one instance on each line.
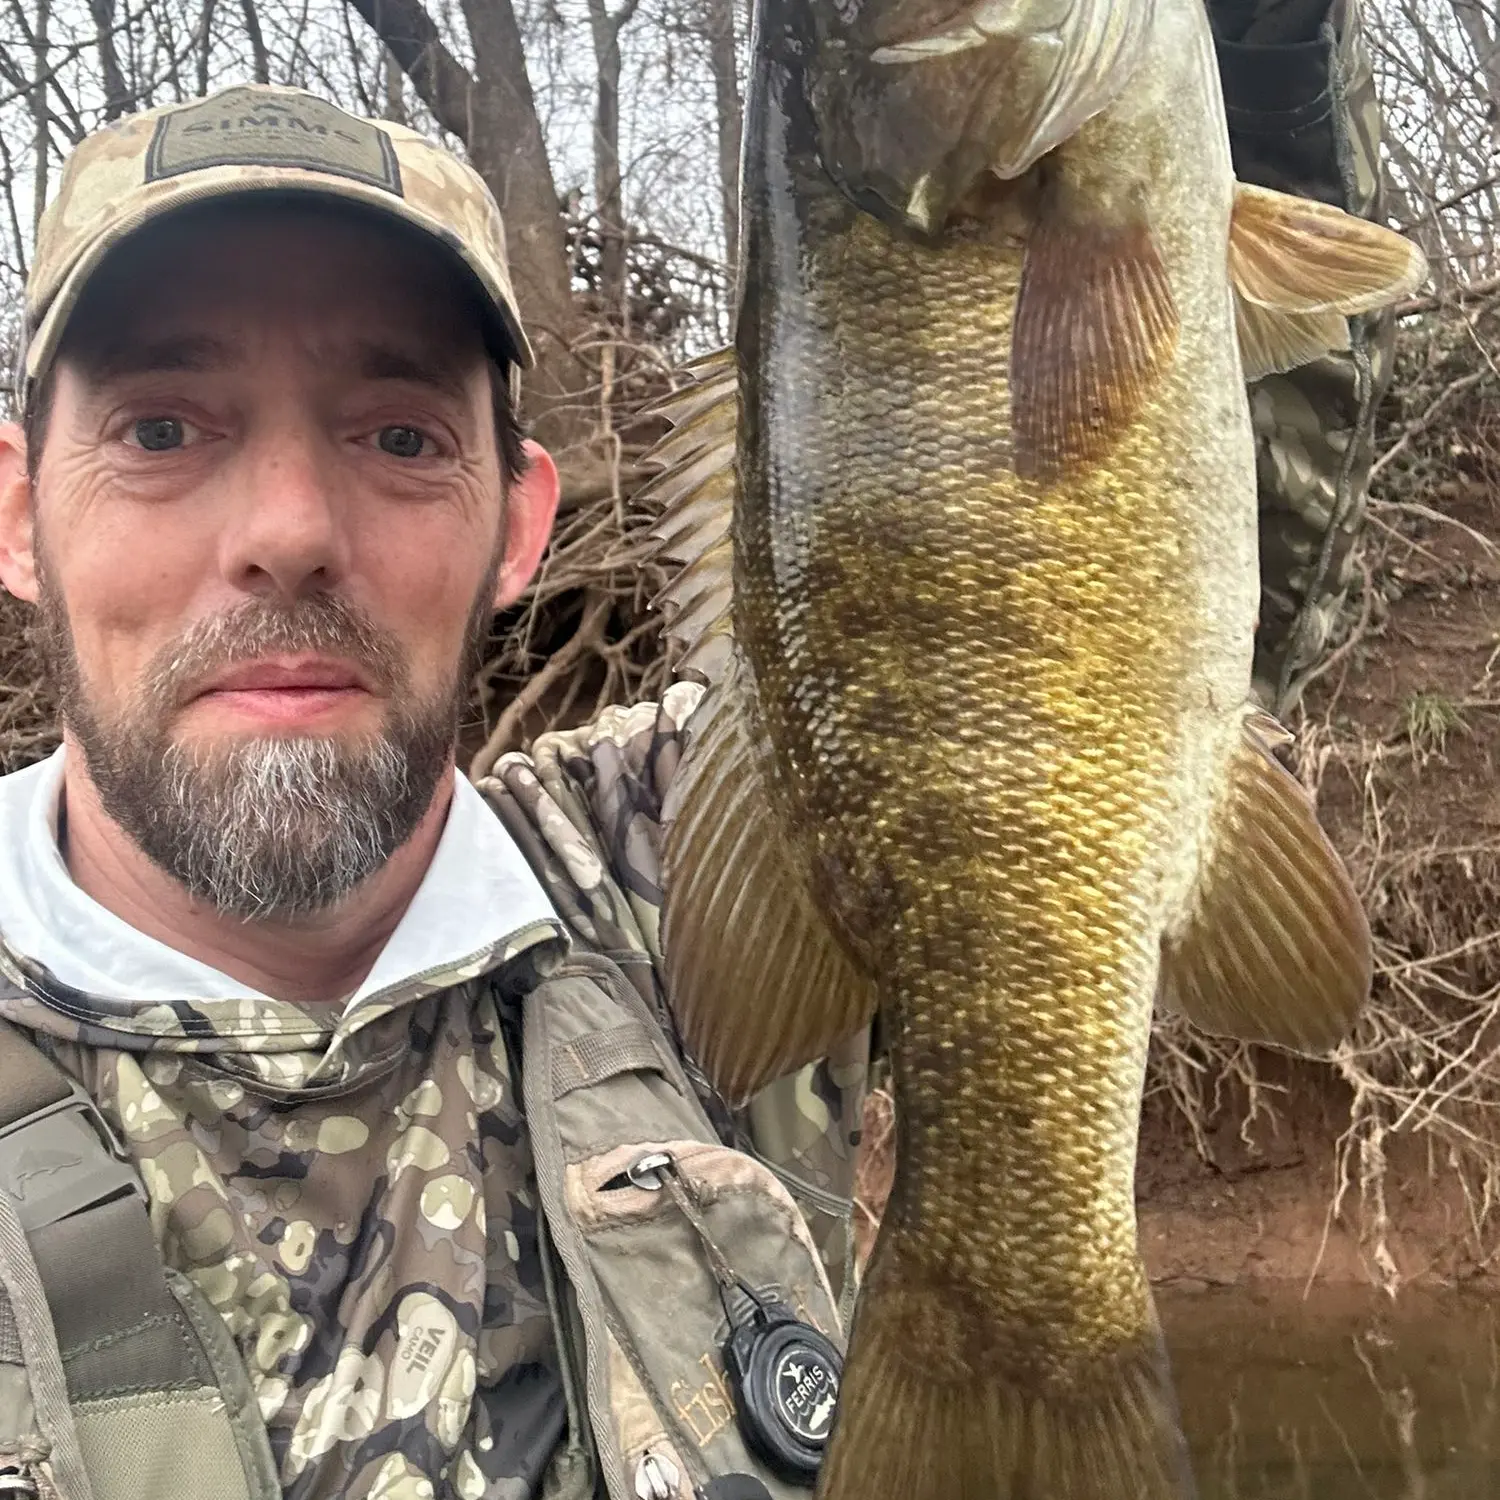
(442,82)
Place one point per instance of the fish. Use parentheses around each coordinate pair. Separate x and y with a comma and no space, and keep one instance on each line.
(965,528)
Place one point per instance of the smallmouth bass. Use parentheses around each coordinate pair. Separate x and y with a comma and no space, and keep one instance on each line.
(977,752)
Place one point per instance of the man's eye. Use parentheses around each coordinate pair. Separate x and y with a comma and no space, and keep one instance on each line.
(158,434)
(402,442)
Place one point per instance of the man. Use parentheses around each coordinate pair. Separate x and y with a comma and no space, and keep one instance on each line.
(440,1210)
(268,491)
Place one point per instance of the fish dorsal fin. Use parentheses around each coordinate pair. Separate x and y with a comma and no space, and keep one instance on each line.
(1071,59)
(1095,327)
(1300,268)
(759,984)
(1275,946)
(695,492)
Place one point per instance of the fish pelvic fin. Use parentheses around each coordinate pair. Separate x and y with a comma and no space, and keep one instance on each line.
(906,1428)
(1095,327)
(757,982)
(695,495)
(1275,946)
(1301,268)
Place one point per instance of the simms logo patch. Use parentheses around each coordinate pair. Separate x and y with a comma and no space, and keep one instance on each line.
(244,128)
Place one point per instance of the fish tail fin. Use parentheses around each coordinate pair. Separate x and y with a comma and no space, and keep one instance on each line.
(903,1428)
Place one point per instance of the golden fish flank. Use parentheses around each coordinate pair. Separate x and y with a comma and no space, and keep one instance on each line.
(977,749)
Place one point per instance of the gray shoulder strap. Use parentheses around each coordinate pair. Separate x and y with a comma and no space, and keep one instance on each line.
(109,1372)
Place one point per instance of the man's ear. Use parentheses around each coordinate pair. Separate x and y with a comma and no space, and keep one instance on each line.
(530,507)
(17,536)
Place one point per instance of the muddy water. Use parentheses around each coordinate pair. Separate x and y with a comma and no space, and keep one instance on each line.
(1340,1396)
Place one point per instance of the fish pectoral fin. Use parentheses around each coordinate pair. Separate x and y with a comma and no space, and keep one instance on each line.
(695,492)
(1095,327)
(913,1423)
(1300,267)
(1276,946)
(757,982)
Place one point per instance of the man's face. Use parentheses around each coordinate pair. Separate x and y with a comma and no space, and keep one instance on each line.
(267,525)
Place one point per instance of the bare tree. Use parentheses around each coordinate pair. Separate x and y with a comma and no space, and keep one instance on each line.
(729,119)
(1439,78)
(605,27)
(493,112)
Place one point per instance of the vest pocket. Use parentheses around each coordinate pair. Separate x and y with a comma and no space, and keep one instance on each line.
(604,1092)
(659,1293)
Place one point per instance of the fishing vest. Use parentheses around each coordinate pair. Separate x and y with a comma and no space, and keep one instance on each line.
(667,1255)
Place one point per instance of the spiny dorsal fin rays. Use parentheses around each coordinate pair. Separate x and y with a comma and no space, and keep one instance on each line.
(695,493)
(690,528)
(758,983)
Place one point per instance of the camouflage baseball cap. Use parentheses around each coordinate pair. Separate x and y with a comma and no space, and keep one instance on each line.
(254,138)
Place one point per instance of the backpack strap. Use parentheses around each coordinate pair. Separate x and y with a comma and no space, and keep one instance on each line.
(116,1379)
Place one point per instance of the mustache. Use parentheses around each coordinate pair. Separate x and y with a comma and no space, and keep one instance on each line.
(321,623)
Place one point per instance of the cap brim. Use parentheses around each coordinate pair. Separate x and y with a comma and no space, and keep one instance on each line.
(42,345)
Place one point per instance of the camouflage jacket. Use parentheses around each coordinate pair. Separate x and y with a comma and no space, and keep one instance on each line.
(354,1192)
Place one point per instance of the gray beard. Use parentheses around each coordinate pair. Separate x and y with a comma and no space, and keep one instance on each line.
(264,828)
(272,828)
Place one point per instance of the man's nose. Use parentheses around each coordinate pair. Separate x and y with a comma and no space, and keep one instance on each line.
(284,532)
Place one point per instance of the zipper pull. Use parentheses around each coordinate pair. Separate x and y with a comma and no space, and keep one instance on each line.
(656,1477)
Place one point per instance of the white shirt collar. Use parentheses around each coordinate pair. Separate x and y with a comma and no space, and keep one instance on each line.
(477,892)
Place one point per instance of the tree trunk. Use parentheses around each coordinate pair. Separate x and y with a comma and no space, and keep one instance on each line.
(116,96)
(609,205)
(729,116)
(394,107)
(493,112)
(205,43)
(507,148)
(1485,40)
(41,155)
(260,58)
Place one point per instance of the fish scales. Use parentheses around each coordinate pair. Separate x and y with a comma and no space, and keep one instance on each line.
(977,751)
(950,672)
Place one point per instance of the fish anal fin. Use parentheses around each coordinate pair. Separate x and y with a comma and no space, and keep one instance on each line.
(1298,255)
(1095,327)
(910,1424)
(757,981)
(1275,946)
